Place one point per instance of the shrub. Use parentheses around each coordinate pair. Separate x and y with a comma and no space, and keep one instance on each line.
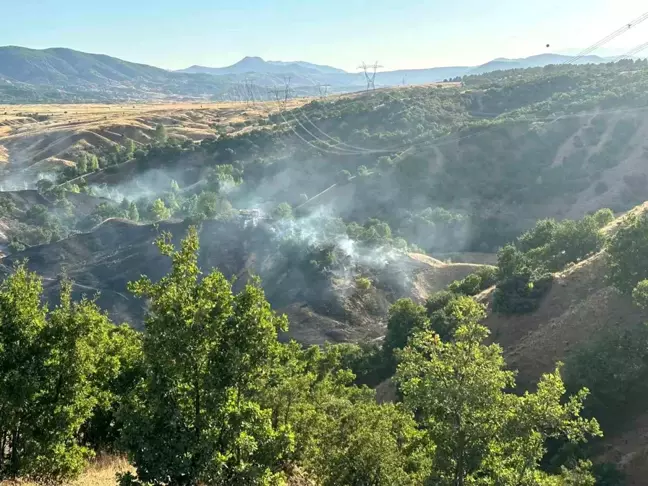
(282,212)
(475,282)
(628,254)
(363,283)
(520,294)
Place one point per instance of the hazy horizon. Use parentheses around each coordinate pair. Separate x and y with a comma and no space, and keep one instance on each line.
(412,34)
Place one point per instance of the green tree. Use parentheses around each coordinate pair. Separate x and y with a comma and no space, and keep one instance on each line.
(129,148)
(476,282)
(22,324)
(38,215)
(456,311)
(640,294)
(210,205)
(93,163)
(82,163)
(159,210)
(405,317)
(160,135)
(367,443)
(133,212)
(51,378)
(195,418)
(43,186)
(282,212)
(342,436)
(77,341)
(628,254)
(7,207)
(482,432)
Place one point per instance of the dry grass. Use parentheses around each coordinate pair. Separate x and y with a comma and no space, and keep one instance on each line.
(101,472)
(31,134)
(82,114)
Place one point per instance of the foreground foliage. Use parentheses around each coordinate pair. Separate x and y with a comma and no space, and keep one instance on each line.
(208,395)
(54,368)
(194,418)
(458,391)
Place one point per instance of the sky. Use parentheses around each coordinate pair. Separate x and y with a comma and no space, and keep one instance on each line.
(400,34)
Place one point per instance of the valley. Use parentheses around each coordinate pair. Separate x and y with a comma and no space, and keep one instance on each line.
(500,220)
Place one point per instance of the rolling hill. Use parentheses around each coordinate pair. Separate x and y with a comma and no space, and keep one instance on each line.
(57,74)
(66,75)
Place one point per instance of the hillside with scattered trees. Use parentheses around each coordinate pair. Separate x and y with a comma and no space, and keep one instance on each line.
(271,301)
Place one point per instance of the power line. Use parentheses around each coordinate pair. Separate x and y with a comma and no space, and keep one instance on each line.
(633,51)
(608,38)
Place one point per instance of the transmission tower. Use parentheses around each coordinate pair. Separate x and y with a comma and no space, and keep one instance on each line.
(370,74)
(323,89)
(282,94)
(250,92)
(287,89)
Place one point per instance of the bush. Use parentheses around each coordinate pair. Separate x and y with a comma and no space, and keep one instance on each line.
(551,244)
(56,367)
(282,212)
(456,310)
(520,294)
(628,254)
(475,282)
(614,366)
(363,283)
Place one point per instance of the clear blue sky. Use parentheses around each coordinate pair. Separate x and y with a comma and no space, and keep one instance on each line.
(398,33)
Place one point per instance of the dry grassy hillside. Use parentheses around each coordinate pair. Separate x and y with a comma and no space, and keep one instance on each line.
(42,137)
(579,305)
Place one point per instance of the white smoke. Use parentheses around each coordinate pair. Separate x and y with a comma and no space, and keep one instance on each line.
(322,229)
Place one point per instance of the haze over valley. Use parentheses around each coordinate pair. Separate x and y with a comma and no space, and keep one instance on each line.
(287,273)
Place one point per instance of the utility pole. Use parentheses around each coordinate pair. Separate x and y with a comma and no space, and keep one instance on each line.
(370,74)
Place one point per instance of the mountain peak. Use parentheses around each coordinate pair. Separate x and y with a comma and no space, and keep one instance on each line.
(251,61)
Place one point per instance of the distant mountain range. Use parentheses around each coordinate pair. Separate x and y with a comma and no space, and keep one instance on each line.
(337,77)
(256,64)
(65,75)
